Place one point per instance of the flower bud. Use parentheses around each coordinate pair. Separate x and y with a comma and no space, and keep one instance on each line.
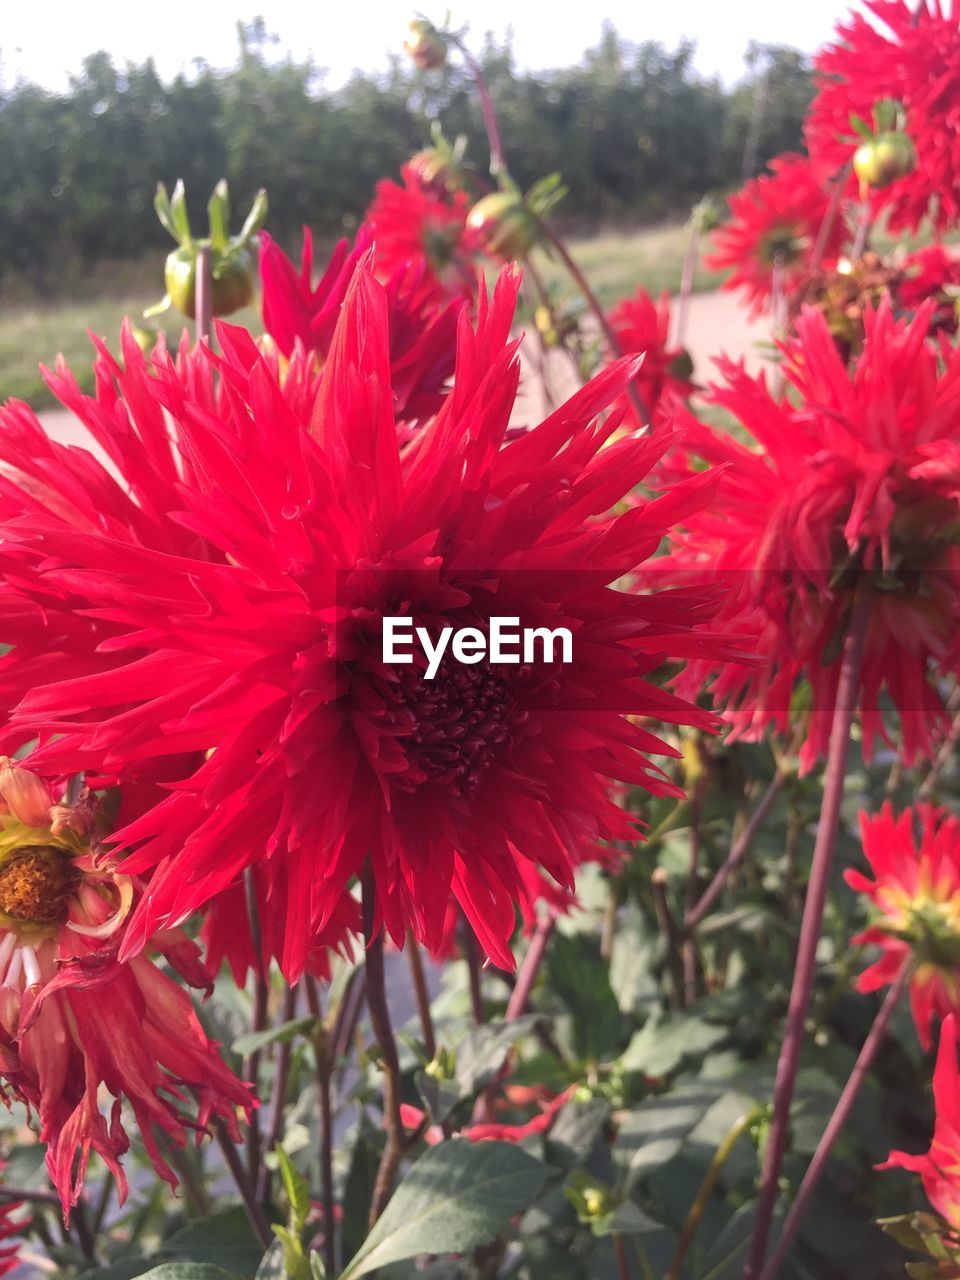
(25,795)
(505,225)
(884,159)
(425,45)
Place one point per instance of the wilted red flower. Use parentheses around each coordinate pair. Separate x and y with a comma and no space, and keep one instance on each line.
(853,484)
(643,326)
(413,224)
(318,754)
(774,224)
(931,272)
(422,330)
(915,895)
(73,1019)
(939,1169)
(912,57)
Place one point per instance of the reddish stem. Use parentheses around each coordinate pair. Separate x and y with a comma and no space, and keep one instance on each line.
(841,1113)
(422,995)
(203,305)
(805,970)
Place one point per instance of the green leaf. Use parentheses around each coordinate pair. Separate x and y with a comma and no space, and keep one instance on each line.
(223,1239)
(457,1196)
(298,1193)
(271,1264)
(251,1041)
(439,1097)
(218,210)
(662,1044)
(186,1271)
(627,1219)
(578,974)
(256,217)
(161,205)
(482,1053)
(654,1132)
(575,1131)
(179,215)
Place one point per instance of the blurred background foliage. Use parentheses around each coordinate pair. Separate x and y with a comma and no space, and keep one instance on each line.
(637,133)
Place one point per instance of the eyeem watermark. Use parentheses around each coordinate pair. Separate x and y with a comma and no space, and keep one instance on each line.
(504,642)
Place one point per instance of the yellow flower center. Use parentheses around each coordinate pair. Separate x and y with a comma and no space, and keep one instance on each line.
(35,884)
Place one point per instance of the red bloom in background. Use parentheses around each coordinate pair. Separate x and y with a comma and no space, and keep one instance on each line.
(775,218)
(854,482)
(317,755)
(915,896)
(73,1020)
(422,330)
(939,1169)
(931,272)
(642,325)
(11,1224)
(412,224)
(913,57)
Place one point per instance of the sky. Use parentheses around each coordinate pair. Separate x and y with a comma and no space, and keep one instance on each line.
(44,42)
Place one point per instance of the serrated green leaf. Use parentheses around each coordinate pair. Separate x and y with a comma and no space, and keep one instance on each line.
(458,1196)
(653,1133)
(662,1044)
(298,1193)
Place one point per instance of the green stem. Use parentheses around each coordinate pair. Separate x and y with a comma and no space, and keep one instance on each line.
(702,1198)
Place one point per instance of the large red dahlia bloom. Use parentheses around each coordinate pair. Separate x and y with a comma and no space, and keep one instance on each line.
(413,225)
(73,1019)
(773,228)
(915,898)
(939,1168)
(317,754)
(850,483)
(913,57)
(422,329)
(642,325)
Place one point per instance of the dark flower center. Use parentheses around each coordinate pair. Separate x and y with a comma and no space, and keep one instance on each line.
(462,720)
(35,884)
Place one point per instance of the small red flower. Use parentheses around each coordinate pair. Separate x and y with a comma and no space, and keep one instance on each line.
(642,326)
(850,481)
(931,272)
(73,1019)
(939,1169)
(774,225)
(915,898)
(910,54)
(411,224)
(422,329)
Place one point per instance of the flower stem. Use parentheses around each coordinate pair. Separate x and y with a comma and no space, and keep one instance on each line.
(804,972)
(472,957)
(527,975)
(686,284)
(738,851)
(203,305)
(248,1194)
(670,934)
(593,303)
(702,1198)
(620,1250)
(422,996)
(841,1113)
(383,1030)
(321,1048)
(261,992)
(278,1092)
(829,218)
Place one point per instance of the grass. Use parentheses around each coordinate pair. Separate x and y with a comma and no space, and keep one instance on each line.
(33,330)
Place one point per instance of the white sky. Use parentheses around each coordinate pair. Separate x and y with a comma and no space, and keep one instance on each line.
(44,40)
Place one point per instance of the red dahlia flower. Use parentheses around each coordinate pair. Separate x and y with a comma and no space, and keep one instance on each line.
(412,225)
(939,1169)
(643,326)
(422,330)
(774,225)
(915,896)
(912,57)
(73,1019)
(931,272)
(317,754)
(852,482)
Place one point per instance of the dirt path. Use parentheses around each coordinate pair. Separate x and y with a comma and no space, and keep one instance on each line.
(717,323)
